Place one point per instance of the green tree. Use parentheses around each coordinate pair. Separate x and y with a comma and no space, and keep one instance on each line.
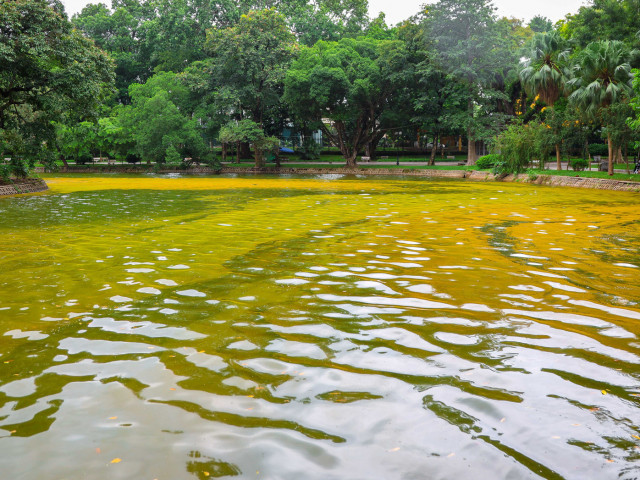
(621,132)
(122,33)
(156,122)
(77,141)
(248,131)
(349,84)
(472,50)
(540,24)
(113,138)
(602,78)
(634,102)
(435,103)
(517,147)
(250,60)
(603,20)
(48,70)
(316,20)
(544,73)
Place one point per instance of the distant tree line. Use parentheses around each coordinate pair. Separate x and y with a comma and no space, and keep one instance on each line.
(159,81)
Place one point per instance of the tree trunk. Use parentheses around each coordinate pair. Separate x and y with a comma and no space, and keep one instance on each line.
(259,158)
(370,150)
(626,157)
(64,161)
(471,152)
(471,143)
(237,152)
(558,157)
(245,151)
(618,158)
(351,159)
(610,145)
(224,152)
(432,159)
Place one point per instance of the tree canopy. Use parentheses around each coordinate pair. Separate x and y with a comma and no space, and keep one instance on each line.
(192,73)
(48,71)
(345,86)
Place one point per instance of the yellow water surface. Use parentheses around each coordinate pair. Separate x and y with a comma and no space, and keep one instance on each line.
(330,327)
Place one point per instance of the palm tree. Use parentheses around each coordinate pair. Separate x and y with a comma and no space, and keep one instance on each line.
(544,72)
(602,77)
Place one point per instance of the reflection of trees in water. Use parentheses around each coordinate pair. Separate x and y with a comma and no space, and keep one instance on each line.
(210,467)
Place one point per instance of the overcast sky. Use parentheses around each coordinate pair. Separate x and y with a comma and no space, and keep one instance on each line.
(398,10)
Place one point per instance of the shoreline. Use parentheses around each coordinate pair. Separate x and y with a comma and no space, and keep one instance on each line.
(547,180)
(27,185)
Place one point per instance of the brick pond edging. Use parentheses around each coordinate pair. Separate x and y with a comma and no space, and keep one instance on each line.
(550,180)
(30,185)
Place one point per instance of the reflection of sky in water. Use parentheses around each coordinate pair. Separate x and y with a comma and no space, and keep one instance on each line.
(307,328)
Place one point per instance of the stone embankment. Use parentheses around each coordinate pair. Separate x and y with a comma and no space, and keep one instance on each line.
(550,180)
(29,185)
(560,181)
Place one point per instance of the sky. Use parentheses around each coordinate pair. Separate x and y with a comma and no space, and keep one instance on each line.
(398,10)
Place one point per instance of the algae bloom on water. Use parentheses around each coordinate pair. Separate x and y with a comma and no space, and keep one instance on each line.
(176,328)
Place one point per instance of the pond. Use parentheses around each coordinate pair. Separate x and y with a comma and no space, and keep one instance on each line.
(318,328)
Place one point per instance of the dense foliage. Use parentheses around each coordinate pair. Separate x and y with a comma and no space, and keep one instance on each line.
(164,81)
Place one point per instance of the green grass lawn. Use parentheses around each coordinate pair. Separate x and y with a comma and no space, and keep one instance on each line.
(571,173)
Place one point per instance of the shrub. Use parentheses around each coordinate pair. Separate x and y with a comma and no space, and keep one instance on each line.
(310,149)
(132,158)
(172,156)
(500,167)
(5,172)
(488,161)
(19,168)
(211,161)
(84,159)
(517,147)
(598,149)
(579,164)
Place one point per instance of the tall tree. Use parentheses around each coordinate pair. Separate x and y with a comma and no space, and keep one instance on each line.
(602,77)
(160,122)
(48,69)
(317,20)
(472,50)
(540,24)
(634,102)
(346,86)
(248,63)
(544,73)
(604,20)
(121,33)
(434,103)
(251,59)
